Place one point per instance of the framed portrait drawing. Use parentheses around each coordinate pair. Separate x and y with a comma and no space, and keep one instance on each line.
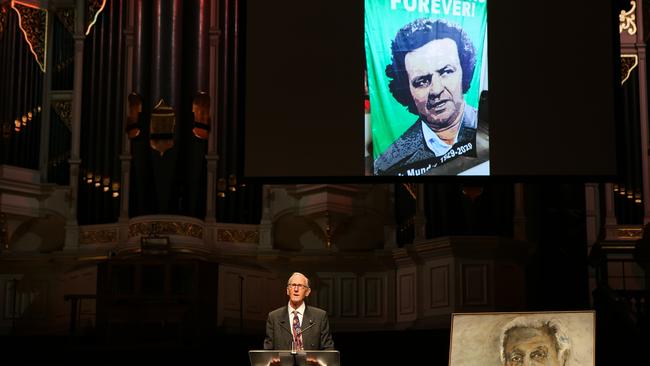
(517,339)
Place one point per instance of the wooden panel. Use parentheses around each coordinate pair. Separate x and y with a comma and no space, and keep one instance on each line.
(231,295)
(273,295)
(475,284)
(253,298)
(348,296)
(373,296)
(406,299)
(439,282)
(325,295)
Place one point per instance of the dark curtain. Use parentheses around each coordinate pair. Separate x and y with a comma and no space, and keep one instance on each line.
(557,269)
(469,209)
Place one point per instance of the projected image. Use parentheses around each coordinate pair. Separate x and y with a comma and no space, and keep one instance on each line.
(426,75)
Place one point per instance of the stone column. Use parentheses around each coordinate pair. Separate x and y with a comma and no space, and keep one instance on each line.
(420,220)
(132,15)
(266,224)
(46,103)
(72,226)
(643,113)
(390,235)
(592,205)
(211,157)
(610,213)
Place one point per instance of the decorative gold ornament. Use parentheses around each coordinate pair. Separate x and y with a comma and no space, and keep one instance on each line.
(165,228)
(627,20)
(94,8)
(238,236)
(63,109)
(221,188)
(412,190)
(232,183)
(133,115)
(97,237)
(161,131)
(4,15)
(630,233)
(628,63)
(106,184)
(201,110)
(33,22)
(66,17)
(115,187)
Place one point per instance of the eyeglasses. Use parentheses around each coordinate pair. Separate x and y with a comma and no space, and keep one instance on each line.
(297,285)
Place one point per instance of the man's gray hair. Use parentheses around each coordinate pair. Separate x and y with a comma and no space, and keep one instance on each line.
(552,326)
(297,273)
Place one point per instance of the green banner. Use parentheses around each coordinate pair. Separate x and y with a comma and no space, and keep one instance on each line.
(383,19)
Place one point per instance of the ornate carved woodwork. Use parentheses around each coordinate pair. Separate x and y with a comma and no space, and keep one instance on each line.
(93,10)
(33,23)
(66,17)
(63,109)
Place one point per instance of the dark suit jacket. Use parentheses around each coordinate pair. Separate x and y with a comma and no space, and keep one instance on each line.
(315,330)
(411,149)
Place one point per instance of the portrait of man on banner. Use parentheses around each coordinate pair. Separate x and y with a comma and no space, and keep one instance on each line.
(427,79)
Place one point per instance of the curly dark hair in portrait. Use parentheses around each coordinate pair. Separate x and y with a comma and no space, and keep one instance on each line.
(415,35)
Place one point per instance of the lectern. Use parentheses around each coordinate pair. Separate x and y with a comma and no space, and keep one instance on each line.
(288,358)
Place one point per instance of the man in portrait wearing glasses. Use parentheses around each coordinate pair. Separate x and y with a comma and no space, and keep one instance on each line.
(297,326)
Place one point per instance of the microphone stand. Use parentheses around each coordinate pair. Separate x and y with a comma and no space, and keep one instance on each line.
(294,353)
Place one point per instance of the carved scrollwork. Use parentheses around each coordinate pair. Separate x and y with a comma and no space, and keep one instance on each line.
(631,233)
(33,23)
(63,109)
(238,236)
(627,20)
(93,10)
(628,63)
(4,14)
(165,228)
(98,237)
(66,17)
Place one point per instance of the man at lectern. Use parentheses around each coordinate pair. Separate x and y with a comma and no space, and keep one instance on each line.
(297,326)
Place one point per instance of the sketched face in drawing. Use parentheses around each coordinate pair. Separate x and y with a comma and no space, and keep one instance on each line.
(523,339)
(530,346)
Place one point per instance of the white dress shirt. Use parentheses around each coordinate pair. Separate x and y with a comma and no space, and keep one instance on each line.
(434,143)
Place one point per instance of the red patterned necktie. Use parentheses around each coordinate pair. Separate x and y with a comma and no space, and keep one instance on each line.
(297,333)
